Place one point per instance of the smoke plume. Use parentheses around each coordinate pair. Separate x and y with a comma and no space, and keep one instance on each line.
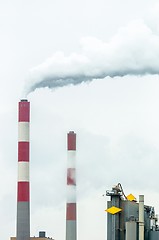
(134,50)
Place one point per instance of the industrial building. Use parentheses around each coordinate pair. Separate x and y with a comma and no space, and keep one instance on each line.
(128,219)
(42,236)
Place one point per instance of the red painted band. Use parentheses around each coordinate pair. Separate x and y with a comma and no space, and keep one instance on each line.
(23,151)
(71,176)
(71,141)
(23,191)
(24,111)
(71,211)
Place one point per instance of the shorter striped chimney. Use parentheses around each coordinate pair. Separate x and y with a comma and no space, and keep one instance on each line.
(71,187)
(23,201)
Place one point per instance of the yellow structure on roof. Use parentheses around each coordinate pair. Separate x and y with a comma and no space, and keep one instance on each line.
(131,197)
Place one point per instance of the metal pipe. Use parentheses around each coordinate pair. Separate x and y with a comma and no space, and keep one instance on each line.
(141,217)
(115,218)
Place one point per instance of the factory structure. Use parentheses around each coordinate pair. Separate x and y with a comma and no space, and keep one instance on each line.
(42,236)
(127,219)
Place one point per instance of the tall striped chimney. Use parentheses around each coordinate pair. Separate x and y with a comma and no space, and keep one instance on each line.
(23,205)
(71,187)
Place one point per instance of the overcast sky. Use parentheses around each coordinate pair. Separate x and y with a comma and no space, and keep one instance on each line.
(111,49)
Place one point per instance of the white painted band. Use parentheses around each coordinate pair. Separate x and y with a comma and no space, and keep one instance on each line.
(23,131)
(23,171)
(71,194)
(71,159)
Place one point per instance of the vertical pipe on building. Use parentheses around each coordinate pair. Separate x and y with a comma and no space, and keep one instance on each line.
(141,217)
(71,187)
(115,217)
(23,205)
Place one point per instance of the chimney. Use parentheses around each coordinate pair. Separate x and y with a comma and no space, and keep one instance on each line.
(71,187)
(23,204)
(141,217)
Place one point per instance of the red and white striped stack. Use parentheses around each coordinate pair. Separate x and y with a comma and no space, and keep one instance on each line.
(71,187)
(23,198)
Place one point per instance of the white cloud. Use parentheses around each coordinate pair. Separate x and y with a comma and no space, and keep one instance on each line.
(134,50)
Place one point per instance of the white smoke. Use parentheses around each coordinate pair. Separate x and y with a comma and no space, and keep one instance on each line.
(134,50)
